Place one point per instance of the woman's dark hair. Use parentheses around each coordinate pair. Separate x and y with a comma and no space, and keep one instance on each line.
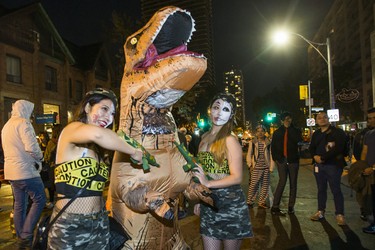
(93,97)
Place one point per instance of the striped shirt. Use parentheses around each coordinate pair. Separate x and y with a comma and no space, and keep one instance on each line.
(260,159)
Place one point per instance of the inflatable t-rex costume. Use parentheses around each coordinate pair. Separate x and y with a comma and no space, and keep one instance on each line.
(158,71)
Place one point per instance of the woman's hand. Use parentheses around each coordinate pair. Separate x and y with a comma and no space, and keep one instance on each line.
(199,173)
(197,209)
(137,155)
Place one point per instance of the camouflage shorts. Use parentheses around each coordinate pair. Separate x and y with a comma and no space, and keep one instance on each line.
(232,220)
(80,231)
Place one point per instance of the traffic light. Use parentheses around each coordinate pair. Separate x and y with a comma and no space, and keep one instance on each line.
(201,123)
(269,117)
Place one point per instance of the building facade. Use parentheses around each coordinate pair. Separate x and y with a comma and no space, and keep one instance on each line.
(234,84)
(348,25)
(36,64)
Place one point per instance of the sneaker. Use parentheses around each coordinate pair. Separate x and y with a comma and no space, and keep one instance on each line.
(340,219)
(277,211)
(317,216)
(263,205)
(24,244)
(370,229)
(49,205)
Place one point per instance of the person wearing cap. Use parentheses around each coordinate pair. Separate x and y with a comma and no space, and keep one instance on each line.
(79,164)
(284,150)
(260,163)
(221,157)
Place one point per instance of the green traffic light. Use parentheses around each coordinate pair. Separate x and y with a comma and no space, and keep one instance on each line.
(269,117)
(201,123)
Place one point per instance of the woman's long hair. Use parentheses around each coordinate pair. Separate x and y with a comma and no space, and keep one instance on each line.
(92,98)
(219,147)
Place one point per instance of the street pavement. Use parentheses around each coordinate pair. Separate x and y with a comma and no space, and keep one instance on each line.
(270,232)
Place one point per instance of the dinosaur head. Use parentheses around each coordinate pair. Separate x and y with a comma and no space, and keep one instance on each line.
(169,28)
(159,69)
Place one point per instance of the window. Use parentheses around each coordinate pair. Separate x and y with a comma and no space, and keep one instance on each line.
(51,79)
(13,69)
(79,91)
(70,88)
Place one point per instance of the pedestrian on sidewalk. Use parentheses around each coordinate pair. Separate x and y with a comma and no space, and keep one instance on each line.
(23,162)
(368,155)
(327,149)
(284,150)
(49,159)
(260,163)
(221,157)
(364,207)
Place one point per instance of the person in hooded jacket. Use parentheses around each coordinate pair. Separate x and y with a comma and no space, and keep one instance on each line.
(22,164)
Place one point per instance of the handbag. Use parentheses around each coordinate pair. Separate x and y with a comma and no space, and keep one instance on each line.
(41,233)
(118,235)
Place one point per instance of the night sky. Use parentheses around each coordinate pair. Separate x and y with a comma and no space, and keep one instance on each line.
(241,34)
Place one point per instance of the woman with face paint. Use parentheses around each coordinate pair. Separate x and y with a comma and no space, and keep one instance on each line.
(84,224)
(221,157)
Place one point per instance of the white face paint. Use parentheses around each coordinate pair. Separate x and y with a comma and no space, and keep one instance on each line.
(220,112)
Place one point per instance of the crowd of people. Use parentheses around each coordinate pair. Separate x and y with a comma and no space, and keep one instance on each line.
(36,167)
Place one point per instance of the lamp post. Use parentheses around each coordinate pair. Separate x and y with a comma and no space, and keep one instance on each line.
(282,36)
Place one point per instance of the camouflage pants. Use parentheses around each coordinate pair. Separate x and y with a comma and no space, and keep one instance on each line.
(80,231)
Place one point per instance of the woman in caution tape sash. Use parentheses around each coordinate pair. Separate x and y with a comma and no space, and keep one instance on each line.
(84,224)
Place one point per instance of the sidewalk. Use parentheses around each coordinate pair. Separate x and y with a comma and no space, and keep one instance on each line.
(270,232)
(298,231)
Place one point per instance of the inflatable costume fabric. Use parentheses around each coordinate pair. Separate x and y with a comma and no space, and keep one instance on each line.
(157,73)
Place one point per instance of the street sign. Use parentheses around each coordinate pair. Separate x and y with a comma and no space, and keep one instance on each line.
(310,122)
(317,109)
(303,92)
(311,101)
(333,115)
(45,118)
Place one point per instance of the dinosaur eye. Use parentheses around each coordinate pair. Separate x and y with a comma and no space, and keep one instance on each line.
(133,41)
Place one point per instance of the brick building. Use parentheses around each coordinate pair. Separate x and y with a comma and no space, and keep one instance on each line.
(38,65)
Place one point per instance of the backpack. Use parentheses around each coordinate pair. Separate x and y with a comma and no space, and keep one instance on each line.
(356,180)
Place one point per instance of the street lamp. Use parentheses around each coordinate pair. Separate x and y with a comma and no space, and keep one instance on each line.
(281,37)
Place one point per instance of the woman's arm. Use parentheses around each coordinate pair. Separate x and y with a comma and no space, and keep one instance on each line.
(235,162)
(249,155)
(81,133)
